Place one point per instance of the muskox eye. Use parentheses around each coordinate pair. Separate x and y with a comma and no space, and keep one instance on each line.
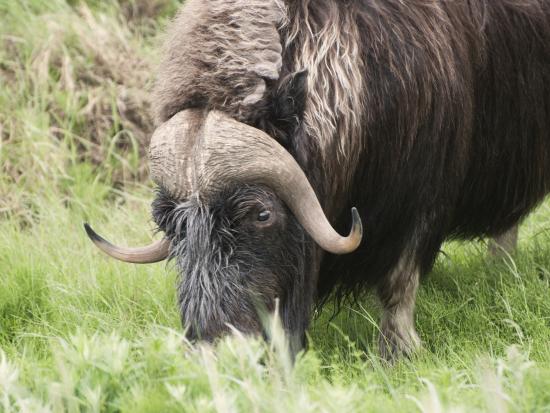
(264,216)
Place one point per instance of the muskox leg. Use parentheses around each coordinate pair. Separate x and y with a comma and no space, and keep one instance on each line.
(397,294)
(504,243)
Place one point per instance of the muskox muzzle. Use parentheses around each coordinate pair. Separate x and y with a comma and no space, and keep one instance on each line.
(198,152)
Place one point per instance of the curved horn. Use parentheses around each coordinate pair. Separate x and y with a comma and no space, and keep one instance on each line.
(201,152)
(155,252)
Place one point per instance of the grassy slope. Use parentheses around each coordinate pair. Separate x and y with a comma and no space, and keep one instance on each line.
(79,332)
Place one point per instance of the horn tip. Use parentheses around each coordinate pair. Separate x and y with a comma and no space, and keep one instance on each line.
(356,228)
(92,234)
(357,224)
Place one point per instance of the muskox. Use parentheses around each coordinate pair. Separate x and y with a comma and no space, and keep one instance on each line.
(277,117)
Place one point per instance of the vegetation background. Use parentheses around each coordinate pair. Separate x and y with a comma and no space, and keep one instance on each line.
(79,332)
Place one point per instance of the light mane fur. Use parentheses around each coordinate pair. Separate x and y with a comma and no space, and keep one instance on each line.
(327,46)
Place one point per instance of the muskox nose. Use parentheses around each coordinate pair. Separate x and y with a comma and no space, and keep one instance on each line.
(201,327)
(266,328)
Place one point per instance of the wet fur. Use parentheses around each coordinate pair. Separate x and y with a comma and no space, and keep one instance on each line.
(432,117)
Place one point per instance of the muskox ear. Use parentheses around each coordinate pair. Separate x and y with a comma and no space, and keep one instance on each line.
(286,107)
(290,98)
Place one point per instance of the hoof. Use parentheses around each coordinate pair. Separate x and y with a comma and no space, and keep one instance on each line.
(504,244)
(395,344)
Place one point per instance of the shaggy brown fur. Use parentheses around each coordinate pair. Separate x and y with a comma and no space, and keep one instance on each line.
(220,54)
(432,117)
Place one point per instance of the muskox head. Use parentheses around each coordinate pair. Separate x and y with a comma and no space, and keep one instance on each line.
(237,212)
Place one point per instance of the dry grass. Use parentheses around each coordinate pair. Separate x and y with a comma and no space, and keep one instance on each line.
(74,87)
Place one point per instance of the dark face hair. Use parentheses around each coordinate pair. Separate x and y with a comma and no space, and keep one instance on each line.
(236,255)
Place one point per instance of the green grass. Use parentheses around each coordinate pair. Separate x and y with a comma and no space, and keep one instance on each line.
(79,332)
